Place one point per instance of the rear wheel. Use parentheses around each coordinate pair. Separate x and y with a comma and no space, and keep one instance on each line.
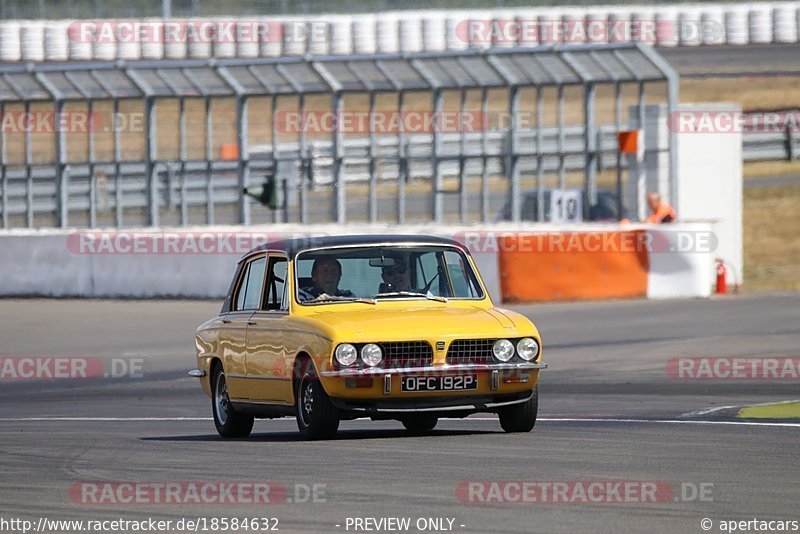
(229,422)
(317,417)
(420,424)
(520,417)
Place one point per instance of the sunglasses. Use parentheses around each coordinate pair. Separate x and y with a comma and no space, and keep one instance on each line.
(391,271)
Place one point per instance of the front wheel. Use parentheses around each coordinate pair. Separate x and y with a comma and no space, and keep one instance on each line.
(229,422)
(420,424)
(520,417)
(317,417)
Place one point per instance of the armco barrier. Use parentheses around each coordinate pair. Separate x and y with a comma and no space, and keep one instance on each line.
(518,264)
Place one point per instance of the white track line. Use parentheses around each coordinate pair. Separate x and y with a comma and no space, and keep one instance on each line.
(541,419)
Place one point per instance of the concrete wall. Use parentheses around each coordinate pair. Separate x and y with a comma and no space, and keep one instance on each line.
(57,263)
(710,179)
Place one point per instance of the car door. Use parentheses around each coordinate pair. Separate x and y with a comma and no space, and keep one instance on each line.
(233,340)
(269,377)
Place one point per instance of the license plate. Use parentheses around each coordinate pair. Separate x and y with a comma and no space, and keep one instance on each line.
(439,383)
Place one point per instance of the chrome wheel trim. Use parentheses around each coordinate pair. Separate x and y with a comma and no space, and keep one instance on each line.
(307,401)
(221,400)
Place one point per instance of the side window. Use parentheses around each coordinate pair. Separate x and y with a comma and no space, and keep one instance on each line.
(458,275)
(252,284)
(276,284)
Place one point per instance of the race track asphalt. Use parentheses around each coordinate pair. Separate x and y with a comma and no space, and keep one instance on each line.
(609,411)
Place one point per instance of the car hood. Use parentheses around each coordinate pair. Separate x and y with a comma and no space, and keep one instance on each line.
(424,322)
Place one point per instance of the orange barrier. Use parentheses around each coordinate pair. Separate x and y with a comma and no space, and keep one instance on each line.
(573,266)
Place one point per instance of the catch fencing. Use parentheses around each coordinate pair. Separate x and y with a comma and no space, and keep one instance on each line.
(461,135)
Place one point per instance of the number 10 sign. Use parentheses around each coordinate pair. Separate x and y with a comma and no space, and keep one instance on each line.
(566,205)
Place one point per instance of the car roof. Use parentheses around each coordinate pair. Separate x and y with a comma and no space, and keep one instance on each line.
(296,245)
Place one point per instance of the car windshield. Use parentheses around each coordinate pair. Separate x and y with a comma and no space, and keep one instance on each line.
(370,274)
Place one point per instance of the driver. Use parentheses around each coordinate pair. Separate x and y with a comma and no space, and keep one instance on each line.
(397,277)
(325,275)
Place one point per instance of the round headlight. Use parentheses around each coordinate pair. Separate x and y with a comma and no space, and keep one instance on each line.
(346,354)
(503,350)
(371,354)
(528,349)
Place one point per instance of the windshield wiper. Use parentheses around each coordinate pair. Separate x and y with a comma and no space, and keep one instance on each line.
(428,295)
(330,298)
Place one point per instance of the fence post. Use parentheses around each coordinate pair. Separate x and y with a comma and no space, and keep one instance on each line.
(92,171)
(513,159)
(209,146)
(28,173)
(3,166)
(590,142)
(402,162)
(438,198)
(117,164)
(463,200)
(340,199)
(183,156)
(62,187)
(244,159)
(151,131)
(372,152)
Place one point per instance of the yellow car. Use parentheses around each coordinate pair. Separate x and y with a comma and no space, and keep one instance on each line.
(386,327)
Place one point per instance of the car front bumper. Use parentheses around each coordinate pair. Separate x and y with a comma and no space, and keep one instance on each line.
(459,406)
(378,384)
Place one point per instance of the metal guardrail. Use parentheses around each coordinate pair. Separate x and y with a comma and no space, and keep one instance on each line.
(771,146)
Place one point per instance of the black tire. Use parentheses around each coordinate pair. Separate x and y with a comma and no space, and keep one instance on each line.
(420,424)
(317,417)
(520,417)
(229,422)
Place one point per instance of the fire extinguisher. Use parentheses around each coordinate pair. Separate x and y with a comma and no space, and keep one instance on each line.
(722,277)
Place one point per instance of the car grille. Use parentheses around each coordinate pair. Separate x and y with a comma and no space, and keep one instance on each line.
(407,353)
(471,351)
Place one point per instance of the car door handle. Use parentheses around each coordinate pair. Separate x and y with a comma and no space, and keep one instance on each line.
(226,321)
(251,322)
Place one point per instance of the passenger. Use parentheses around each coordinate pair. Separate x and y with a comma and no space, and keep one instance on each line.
(397,277)
(662,212)
(325,275)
